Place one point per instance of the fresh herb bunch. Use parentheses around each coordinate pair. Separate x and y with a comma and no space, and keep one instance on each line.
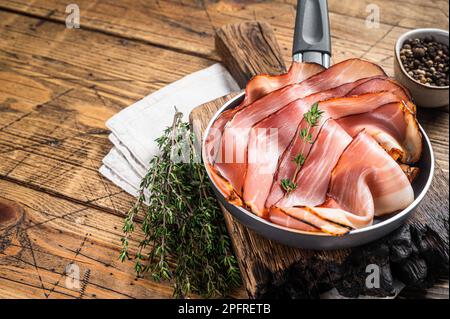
(186,240)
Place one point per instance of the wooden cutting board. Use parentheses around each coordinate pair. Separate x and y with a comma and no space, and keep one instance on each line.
(416,254)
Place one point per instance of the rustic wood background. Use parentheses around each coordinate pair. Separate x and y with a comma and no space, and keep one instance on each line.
(58,86)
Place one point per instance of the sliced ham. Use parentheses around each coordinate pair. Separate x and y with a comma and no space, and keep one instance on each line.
(345,106)
(314,177)
(393,126)
(366,182)
(308,216)
(212,141)
(235,137)
(277,216)
(380,85)
(269,139)
(263,84)
(356,165)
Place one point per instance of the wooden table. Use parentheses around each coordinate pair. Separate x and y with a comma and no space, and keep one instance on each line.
(58,86)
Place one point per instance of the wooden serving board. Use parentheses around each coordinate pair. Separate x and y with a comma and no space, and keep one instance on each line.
(416,254)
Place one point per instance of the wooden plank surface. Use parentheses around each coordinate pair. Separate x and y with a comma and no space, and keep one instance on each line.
(56,96)
(59,86)
(188,26)
(43,234)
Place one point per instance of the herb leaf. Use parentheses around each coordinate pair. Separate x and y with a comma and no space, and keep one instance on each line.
(299,159)
(313,115)
(288,185)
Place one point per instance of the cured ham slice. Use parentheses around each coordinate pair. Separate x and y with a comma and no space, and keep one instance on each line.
(381,85)
(340,107)
(236,134)
(366,182)
(314,177)
(334,108)
(277,216)
(393,126)
(406,145)
(212,141)
(257,87)
(308,216)
(263,84)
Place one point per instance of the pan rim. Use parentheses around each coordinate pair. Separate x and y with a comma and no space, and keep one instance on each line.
(401,214)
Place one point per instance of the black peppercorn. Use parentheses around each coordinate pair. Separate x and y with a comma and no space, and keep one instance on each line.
(426,60)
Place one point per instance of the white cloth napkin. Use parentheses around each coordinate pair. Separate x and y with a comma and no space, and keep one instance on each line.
(135,128)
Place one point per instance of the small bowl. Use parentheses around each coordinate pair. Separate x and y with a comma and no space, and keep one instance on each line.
(424,95)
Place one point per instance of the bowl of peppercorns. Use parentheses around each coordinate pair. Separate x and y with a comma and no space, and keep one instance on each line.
(421,64)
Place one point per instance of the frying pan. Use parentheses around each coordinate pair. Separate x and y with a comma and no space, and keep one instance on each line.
(312,44)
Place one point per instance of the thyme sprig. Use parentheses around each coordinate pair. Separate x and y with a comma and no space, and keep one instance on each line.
(311,118)
(185,238)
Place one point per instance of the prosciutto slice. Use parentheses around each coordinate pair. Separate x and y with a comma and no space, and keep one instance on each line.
(263,84)
(279,217)
(307,216)
(393,126)
(381,85)
(231,165)
(366,182)
(314,177)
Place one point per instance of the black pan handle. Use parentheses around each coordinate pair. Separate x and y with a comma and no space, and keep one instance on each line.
(312,32)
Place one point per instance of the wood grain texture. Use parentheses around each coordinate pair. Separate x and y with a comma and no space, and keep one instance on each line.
(58,86)
(415,254)
(57,89)
(42,235)
(188,26)
(237,53)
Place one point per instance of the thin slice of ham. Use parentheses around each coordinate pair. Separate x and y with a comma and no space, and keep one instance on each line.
(393,127)
(257,87)
(269,140)
(314,177)
(380,85)
(236,134)
(405,146)
(263,84)
(277,216)
(366,182)
(306,215)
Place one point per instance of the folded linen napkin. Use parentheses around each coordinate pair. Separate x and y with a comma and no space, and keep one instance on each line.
(135,128)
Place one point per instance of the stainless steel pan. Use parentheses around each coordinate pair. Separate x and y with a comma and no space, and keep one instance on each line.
(313,45)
